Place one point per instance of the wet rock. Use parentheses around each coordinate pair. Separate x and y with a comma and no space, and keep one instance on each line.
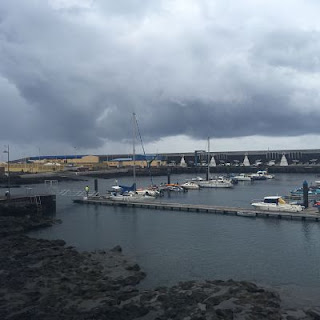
(116,249)
(314,313)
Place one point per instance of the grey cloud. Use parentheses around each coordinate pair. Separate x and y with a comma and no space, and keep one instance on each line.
(296,49)
(81,76)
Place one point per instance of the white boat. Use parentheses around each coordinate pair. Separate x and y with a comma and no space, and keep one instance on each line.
(130,197)
(172,187)
(261,175)
(190,185)
(221,182)
(148,192)
(276,203)
(197,179)
(243,177)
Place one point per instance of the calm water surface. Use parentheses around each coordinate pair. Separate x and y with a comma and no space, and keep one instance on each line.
(173,246)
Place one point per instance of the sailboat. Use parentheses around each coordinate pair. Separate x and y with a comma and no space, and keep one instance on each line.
(219,182)
(124,193)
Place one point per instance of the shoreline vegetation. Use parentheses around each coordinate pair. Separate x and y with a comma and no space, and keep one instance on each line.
(46,279)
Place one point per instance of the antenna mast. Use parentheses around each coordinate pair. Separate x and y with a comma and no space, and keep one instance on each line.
(134,147)
(208,168)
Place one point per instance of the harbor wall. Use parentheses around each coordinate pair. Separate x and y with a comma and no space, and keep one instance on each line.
(26,205)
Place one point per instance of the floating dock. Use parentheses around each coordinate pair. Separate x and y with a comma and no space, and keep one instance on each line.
(307,214)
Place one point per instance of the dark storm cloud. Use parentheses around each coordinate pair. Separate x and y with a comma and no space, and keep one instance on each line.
(75,73)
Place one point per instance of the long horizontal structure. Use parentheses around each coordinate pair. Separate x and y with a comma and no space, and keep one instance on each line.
(307,214)
(293,157)
(196,158)
(263,156)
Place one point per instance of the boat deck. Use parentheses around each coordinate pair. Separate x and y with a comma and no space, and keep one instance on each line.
(307,214)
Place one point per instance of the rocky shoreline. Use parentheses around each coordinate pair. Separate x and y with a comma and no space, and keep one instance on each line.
(45,279)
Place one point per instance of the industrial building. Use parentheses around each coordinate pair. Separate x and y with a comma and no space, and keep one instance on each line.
(84,162)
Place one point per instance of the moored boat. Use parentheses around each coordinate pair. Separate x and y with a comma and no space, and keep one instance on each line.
(261,175)
(197,179)
(220,182)
(172,187)
(190,185)
(130,197)
(149,192)
(276,203)
(243,177)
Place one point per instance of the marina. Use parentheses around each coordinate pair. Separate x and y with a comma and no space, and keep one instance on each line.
(176,239)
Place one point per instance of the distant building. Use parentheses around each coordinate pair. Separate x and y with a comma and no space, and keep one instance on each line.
(141,161)
(2,170)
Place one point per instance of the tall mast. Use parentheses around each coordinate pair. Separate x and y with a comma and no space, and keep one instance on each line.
(134,147)
(208,168)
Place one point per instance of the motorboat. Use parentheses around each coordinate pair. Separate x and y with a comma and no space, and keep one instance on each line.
(149,192)
(172,187)
(197,179)
(266,174)
(220,182)
(261,175)
(190,185)
(243,177)
(130,196)
(276,203)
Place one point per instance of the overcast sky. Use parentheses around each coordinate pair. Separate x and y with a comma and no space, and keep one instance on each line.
(72,72)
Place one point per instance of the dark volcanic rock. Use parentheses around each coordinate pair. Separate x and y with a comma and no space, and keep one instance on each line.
(44,279)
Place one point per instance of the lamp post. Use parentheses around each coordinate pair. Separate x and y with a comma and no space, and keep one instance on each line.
(8,152)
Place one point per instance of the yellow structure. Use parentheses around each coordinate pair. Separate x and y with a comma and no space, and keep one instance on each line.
(88,162)
(32,167)
(85,160)
(138,163)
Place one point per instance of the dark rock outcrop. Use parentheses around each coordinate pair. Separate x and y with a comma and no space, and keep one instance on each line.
(45,279)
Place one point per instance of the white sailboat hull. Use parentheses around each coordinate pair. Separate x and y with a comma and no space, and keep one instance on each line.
(215,184)
(243,178)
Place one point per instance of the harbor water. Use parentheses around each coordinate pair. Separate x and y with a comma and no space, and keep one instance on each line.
(173,246)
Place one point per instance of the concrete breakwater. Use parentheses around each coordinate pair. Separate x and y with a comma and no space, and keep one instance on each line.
(42,279)
(311,214)
(24,205)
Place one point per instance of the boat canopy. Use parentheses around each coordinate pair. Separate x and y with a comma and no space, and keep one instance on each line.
(274,199)
(127,189)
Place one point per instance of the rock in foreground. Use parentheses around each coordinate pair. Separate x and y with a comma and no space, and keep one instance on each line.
(42,279)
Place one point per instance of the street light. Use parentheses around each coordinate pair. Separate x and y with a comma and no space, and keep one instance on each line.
(8,152)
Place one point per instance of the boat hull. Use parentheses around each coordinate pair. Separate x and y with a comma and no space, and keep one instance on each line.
(209,184)
(242,178)
(277,207)
(190,186)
